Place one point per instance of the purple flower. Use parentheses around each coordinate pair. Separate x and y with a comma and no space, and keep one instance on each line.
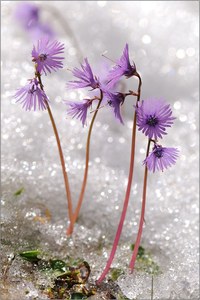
(27,14)
(123,67)
(115,100)
(79,109)
(47,55)
(153,117)
(85,76)
(161,158)
(32,96)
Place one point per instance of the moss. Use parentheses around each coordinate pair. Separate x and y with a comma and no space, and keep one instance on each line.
(145,262)
(141,250)
(115,273)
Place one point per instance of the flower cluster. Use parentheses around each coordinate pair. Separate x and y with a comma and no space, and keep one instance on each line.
(154,116)
(86,78)
(46,56)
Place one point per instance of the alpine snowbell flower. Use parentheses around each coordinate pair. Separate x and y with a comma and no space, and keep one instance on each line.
(123,67)
(27,14)
(79,109)
(161,158)
(153,117)
(31,96)
(46,55)
(85,76)
(115,100)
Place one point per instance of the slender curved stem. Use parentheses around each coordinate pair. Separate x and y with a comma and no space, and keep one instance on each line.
(65,25)
(127,196)
(137,243)
(87,157)
(62,161)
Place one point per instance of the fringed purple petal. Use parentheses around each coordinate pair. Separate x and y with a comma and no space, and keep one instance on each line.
(31,96)
(161,158)
(78,110)
(154,117)
(123,67)
(47,55)
(115,100)
(85,76)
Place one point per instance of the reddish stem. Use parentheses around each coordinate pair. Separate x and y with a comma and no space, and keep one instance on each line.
(87,156)
(137,243)
(62,161)
(123,215)
(127,196)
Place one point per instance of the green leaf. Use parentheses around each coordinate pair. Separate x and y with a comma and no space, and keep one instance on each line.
(78,296)
(19,192)
(57,264)
(31,255)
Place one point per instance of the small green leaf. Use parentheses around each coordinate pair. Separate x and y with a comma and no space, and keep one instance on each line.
(31,255)
(78,296)
(57,264)
(19,192)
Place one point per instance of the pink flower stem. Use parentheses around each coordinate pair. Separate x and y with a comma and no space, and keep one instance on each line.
(62,161)
(87,156)
(127,196)
(137,243)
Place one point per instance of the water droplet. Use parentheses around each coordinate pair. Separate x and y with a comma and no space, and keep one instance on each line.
(121,140)
(146,39)
(180,53)
(183,118)
(110,139)
(177,105)
(97,160)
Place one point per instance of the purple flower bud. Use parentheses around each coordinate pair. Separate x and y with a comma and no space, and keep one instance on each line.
(123,67)
(31,96)
(47,55)
(85,76)
(161,158)
(153,117)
